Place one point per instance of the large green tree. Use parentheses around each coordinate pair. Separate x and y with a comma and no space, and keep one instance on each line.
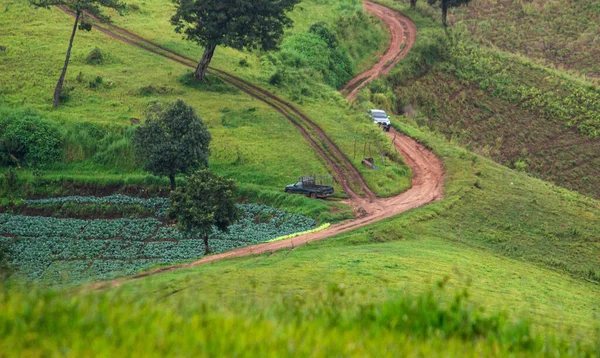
(445,5)
(172,140)
(80,9)
(239,24)
(205,202)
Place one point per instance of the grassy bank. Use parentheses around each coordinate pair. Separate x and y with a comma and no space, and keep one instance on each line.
(328,325)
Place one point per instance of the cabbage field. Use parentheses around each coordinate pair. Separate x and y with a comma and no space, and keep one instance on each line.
(69,251)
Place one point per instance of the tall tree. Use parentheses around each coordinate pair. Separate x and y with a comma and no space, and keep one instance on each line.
(173,140)
(446,4)
(205,202)
(239,24)
(80,8)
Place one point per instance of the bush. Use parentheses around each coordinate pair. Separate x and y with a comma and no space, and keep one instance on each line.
(96,83)
(27,139)
(95,57)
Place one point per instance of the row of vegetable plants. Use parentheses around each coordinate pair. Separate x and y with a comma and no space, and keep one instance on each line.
(71,251)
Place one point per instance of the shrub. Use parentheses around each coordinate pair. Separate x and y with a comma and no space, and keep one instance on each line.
(244,63)
(96,83)
(277,78)
(95,57)
(27,139)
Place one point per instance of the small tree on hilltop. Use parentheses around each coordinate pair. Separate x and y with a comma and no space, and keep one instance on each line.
(173,140)
(239,24)
(446,4)
(413,3)
(205,202)
(80,8)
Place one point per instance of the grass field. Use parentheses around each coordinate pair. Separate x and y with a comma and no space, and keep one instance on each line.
(519,244)
(42,323)
(499,241)
(252,143)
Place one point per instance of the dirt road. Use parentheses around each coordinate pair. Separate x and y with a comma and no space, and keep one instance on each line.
(427,169)
(403,34)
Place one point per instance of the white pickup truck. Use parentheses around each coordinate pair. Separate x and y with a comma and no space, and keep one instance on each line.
(379,116)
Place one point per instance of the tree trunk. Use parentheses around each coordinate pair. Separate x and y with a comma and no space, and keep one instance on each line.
(200,73)
(61,79)
(206,248)
(413,3)
(172,179)
(444,12)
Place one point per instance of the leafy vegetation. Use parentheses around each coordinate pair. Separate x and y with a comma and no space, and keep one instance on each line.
(239,24)
(173,140)
(67,251)
(403,325)
(26,139)
(518,243)
(207,201)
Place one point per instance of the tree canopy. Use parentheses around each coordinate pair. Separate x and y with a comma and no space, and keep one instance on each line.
(173,140)
(239,24)
(206,201)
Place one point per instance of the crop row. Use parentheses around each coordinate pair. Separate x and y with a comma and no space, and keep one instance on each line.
(75,250)
(159,204)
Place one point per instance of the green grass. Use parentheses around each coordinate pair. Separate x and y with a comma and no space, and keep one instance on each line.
(252,143)
(520,244)
(489,239)
(37,323)
(520,114)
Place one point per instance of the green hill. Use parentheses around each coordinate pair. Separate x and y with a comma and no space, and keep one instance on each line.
(97,117)
(505,264)
(522,115)
(496,235)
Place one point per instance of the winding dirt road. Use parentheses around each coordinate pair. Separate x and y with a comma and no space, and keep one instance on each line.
(403,34)
(427,169)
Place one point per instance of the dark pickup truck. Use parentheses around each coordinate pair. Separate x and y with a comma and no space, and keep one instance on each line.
(308,186)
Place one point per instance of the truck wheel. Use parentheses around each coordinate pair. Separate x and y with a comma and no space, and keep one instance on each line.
(288,192)
(313,195)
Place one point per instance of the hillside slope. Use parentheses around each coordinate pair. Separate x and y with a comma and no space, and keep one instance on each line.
(522,115)
(563,34)
(97,116)
(513,240)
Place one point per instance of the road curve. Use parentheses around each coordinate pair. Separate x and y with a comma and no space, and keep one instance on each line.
(403,33)
(427,169)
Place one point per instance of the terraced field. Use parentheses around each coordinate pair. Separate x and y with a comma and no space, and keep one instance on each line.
(69,251)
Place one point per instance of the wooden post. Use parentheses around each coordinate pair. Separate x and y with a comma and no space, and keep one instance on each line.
(365,150)
(381,152)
